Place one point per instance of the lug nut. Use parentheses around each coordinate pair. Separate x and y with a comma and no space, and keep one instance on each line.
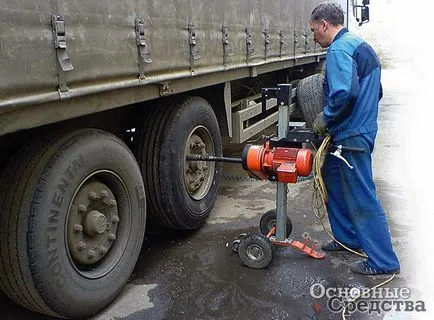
(112,203)
(91,253)
(78,228)
(92,195)
(202,145)
(82,208)
(115,219)
(103,250)
(112,237)
(104,194)
(81,245)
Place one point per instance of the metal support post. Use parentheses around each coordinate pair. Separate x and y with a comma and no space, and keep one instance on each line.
(283,101)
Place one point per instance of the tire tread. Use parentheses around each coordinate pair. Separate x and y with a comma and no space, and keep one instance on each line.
(310,97)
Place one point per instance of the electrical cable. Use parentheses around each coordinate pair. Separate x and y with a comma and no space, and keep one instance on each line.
(319,197)
(319,200)
(360,295)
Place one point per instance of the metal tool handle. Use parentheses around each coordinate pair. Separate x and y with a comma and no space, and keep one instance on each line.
(337,154)
(349,149)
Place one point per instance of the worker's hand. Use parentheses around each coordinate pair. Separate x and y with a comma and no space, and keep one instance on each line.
(319,125)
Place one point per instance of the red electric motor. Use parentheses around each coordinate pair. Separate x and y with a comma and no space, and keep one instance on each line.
(280,164)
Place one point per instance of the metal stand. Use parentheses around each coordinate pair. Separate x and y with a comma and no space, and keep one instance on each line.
(255,250)
(283,101)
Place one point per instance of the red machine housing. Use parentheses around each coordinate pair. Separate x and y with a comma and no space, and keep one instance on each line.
(277,164)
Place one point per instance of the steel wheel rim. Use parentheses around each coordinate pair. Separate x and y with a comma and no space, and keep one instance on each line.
(255,252)
(199,175)
(103,247)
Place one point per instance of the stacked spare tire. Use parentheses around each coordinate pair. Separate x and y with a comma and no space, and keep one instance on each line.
(310,98)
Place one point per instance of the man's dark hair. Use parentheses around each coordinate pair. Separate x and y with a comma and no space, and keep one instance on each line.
(330,12)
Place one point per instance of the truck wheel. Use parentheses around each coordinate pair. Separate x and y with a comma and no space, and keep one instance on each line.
(310,97)
(268,221)
(73,219)
(256,251)
(181,193)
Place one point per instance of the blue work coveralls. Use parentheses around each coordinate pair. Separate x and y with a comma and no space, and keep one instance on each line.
(352,90)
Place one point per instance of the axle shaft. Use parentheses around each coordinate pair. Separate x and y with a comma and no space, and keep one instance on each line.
(205,157)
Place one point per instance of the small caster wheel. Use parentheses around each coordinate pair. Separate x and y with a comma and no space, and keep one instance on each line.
(256,251)
(268,221)
(236,242)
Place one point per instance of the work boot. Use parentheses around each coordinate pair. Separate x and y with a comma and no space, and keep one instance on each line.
(334,246)
(363,267)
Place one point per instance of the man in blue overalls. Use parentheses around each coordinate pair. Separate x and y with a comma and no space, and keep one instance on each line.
(352,90)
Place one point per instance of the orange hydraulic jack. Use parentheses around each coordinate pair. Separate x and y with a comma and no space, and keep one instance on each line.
(282,160)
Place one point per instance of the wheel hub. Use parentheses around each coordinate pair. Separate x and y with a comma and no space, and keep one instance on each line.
(95,223)
(271,224)
(196,170)
(255,252)
(92,223)
(198,175)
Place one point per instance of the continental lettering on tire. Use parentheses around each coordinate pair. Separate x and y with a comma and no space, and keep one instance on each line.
(53,263)
(70,173)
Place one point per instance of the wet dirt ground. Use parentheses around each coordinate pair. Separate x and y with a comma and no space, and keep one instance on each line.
(196,275)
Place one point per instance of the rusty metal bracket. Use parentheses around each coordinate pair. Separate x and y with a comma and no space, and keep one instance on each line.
(60,44)
(227,50)
(250,50)
(266,43)
(144,53)
(282,43)
(165,89)
(194,50)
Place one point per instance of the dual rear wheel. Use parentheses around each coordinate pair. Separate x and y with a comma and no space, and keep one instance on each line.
(73,208)
(180,193)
